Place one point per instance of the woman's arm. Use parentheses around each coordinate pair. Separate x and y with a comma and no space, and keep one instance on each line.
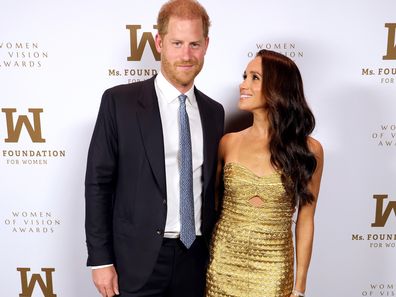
(219,187)
(305,221)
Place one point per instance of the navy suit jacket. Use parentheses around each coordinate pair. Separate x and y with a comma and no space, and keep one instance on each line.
(125,184)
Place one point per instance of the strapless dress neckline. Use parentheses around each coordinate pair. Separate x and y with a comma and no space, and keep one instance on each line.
(247,169)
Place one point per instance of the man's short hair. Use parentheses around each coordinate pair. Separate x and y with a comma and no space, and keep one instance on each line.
(184,9)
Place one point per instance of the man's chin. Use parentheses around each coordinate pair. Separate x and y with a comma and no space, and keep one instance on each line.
(186,80)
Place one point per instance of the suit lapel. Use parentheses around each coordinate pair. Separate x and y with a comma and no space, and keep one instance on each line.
(208,139)
(149,118)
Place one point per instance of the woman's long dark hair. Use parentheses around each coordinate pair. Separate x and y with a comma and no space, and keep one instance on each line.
(291,122)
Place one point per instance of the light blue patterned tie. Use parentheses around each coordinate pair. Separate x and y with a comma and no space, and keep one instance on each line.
(187,221)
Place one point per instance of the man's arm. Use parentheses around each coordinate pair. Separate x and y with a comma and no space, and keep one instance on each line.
(99,192)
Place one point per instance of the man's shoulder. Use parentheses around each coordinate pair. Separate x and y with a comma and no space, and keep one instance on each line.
(205,98)
(130,89)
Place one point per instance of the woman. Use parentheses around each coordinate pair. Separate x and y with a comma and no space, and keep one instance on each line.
(269,170)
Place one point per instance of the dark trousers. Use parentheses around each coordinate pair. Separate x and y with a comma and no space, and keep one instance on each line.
(179,272)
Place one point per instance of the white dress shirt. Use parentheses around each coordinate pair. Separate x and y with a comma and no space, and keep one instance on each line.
(169,103)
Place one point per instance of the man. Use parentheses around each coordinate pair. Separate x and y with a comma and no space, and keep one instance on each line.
(150,174)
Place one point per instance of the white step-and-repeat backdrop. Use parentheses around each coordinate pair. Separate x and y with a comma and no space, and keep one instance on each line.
(57,58)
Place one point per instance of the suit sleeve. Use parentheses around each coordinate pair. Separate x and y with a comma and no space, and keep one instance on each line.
(100,180)
(222,121)
(219,174)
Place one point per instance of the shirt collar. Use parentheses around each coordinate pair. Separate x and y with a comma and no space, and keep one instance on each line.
(169,93)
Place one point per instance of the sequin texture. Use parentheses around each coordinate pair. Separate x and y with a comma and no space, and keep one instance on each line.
(252,247)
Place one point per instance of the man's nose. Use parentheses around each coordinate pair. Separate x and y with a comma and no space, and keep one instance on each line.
(186,52)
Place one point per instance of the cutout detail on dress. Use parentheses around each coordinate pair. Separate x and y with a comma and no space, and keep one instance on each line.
(256,201)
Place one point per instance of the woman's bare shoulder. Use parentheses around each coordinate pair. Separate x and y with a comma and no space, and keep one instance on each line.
(231,138)
(229,142)
(315,147)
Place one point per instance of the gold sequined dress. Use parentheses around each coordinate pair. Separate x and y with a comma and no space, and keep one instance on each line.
(252,247)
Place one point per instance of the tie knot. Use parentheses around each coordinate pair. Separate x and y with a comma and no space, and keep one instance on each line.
(182,98)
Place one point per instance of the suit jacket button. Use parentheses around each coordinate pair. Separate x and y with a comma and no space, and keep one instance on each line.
(159,232)
(164,201)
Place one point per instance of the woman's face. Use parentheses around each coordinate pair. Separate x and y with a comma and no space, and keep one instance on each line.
(251,95)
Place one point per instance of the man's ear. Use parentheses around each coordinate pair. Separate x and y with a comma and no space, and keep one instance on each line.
(206,44)
(158,43)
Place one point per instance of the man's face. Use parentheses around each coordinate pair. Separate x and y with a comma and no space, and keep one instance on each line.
(182,50)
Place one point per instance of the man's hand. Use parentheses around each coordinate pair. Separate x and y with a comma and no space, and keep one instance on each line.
(106,281)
